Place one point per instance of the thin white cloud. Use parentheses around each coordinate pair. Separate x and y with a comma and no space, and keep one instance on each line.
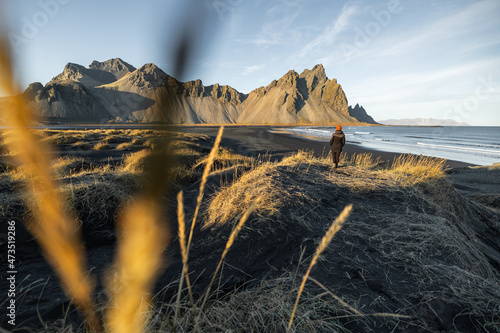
(454,81)
(252,69)
(259,42)
(446,74)
(279,26)
(431,93)
(461,23)
(330,33)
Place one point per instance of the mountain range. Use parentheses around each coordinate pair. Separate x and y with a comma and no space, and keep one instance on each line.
(422,122)
(115,91)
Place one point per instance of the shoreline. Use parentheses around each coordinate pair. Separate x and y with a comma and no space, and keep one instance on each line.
(306,193)
(278,129)
(255,140)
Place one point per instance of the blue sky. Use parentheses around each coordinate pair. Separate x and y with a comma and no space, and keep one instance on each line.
(399,59)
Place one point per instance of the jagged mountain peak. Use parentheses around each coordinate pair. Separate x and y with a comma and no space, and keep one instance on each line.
(314,77)
(71,72)
(360,114)
(318,70)
(289,79)
(319,67)
(96,74)
(112,65)
(73,67)
(149,76)
(115,90)
(116,67)
(33,90)
(151,69)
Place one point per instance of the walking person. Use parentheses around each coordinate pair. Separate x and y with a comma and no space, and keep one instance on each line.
(337,142)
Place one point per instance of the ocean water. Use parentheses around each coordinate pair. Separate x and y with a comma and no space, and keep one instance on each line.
(470,144)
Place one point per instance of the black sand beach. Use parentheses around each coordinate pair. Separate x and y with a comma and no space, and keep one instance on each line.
(428,251)
(255,140)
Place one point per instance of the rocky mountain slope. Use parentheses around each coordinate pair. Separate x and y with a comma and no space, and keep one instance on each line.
(116,91)
(360,114)
(306,98)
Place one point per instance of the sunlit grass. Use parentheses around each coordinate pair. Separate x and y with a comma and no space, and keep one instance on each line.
(55,229)
(259,189)
(101,146)
(327,238)
(417,168)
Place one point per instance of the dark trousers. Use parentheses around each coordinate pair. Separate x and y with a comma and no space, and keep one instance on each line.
(336,157)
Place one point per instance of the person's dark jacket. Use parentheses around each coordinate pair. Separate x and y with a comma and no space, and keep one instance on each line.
(337,141)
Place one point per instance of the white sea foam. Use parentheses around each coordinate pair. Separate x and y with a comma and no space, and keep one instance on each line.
(478,150)
(478,145)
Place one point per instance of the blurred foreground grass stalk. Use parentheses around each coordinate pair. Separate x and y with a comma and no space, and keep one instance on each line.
(327,238)
(54,228)
(142,236)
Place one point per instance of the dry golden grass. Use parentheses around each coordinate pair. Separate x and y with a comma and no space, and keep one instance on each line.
(253,188)
(266,188)
(206,172)
(63,138)
(127,146)
(327,238)
(151,143)
(142,239)
(142,235)
(416,168)
(187,246)
(136,162)
(363,160)
(260,186)
(265,307)
(183,244)
(57,232)
(229,243)
(137,141)
(116,139)
(277,180)
(101,146)
(225,158)
(82,145)
(187,157)
(67,165)
(140,132)
(11,144)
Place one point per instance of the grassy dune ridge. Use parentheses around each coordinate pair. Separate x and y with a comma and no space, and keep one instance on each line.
(414,254)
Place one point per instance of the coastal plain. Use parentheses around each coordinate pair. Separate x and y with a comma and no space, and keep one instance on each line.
(420,251)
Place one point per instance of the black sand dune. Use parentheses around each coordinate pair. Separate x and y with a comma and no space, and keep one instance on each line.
(424,251)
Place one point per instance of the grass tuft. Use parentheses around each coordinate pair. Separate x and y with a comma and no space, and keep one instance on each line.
(327,238)
(417,168)
(56,231)
(137,162)
(138,263)
(101,146)
(364,160)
